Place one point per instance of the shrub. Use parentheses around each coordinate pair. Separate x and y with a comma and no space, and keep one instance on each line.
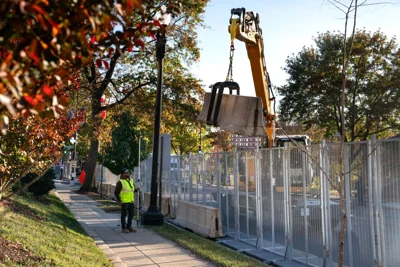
(41,186)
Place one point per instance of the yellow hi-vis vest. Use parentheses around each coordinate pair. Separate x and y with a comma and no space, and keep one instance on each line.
(127,194)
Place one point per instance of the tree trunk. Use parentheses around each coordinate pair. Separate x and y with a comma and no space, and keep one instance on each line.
(343,222)
(90,180)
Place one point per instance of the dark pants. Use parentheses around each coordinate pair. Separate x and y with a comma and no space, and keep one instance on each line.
(126,209)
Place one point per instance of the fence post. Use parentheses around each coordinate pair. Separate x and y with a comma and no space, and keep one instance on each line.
(197,176)
(379,227)
(226,177)
(236,194)
(259,209)
(173,190)
(190,177)
(179,177)
(324,204)
(287,202)
(148,172)
(376,210)
(218,174)
(371,202)
(247,197)
(348,201)
(306,174)
(272,197)
(204,175)
(379,201)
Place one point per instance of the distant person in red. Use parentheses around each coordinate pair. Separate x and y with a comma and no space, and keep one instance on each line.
(82,177)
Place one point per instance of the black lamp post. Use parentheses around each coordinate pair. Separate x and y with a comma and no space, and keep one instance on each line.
(153,216)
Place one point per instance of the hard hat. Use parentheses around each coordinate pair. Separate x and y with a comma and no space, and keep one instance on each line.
(124,170)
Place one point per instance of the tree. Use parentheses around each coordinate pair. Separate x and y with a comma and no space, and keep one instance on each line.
(43,41)
(312,95)
(362,60)
(41,44)
(123,150)
(32,145)
(181,109)
(131,72)
(221,140)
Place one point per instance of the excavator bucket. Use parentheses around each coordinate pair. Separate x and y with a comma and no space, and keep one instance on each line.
(237,114)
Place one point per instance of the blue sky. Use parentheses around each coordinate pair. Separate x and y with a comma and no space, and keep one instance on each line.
(287,26)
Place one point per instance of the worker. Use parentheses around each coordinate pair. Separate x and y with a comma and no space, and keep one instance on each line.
(125,195)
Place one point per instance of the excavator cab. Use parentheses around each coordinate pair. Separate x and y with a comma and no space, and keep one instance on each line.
(237,114)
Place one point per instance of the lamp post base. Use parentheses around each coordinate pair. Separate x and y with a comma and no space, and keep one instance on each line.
(152,217)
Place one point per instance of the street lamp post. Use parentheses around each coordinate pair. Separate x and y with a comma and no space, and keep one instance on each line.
(153,216)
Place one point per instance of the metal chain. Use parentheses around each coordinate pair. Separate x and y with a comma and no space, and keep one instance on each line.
(229,76)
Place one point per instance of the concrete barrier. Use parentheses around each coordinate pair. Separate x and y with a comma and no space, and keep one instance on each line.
(166,205)
(106,189)
(201,219)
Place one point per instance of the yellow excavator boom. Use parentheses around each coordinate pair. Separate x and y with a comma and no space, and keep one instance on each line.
(244,26)
(223,110)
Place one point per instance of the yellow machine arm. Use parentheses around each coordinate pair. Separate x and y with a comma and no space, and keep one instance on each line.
(244,26)
(243,115)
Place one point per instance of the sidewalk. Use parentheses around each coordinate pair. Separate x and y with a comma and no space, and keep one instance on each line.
(143,248)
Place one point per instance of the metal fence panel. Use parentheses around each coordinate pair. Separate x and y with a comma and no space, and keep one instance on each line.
(286,200)
(226,192)
(390,200)
(304,208)
(359,238)
(273,201)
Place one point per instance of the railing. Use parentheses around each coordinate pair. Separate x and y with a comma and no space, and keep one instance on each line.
(284,200)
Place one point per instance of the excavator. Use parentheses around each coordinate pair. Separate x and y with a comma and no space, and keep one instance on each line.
(247,116)
(244,115)
(256,116)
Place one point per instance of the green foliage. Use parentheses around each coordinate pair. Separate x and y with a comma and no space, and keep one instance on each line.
(123,150)
(41,186)
(130,81)
(312,93)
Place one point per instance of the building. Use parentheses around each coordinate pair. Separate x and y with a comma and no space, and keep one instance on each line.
(245,142)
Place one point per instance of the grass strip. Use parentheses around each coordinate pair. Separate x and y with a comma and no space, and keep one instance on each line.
(48,229)
(106,204)
(205,248)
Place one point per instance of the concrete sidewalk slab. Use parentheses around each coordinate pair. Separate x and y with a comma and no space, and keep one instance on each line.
(143,248)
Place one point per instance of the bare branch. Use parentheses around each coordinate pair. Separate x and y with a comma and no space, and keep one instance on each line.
(92,72)
(335,5)
(374,4)
(9,184)
(340,3)
(363,4)
(110,72)
(346,62)
(126,96)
